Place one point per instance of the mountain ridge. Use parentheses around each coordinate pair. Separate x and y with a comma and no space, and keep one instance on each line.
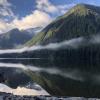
(81,20)
(14,38)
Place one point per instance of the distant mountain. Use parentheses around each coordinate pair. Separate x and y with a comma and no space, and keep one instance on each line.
(33,30)
(14,38)
(81,20)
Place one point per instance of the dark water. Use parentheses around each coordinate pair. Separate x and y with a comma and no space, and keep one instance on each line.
(55,76)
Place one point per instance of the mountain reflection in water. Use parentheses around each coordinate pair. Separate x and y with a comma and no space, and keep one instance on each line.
(56,77)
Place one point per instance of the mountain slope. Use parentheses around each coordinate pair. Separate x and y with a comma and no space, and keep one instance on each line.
(81,20)
(14,38)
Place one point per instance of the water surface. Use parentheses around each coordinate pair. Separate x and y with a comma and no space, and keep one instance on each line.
(55,76)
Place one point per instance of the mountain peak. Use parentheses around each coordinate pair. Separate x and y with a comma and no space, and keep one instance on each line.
(81,20)
(81,5)
(84,9)
(79,9)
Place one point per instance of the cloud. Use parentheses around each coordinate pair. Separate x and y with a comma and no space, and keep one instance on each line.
(10,65)
(47,6)
(4,26)
(40,16)
(5,14)
(36,19)
(73,43)
(21,91)
(4,3)
(72,73)
(44,13)
(5,9)
(64,8)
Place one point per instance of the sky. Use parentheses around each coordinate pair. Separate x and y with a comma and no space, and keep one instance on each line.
(25,14)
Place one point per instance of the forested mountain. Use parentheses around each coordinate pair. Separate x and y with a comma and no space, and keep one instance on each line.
(81,20)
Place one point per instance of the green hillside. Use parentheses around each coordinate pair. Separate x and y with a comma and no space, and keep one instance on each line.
(81,20)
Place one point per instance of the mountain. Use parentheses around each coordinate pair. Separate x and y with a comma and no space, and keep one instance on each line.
(81,20)
(14,38)
(33,30)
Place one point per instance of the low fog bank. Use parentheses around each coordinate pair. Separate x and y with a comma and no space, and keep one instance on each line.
(73,43)
(71,73)
(52,46)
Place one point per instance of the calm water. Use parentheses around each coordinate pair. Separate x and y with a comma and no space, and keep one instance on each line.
(55,76)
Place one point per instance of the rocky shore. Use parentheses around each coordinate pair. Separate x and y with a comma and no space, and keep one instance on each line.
(8,96)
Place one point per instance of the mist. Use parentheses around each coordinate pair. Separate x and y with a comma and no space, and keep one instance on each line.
(11,65)
(74,43)
(72,74)
(68,73)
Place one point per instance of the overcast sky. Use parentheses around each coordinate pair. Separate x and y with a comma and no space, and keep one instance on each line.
(24,14)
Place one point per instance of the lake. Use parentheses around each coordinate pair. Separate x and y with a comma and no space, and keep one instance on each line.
(55,76)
